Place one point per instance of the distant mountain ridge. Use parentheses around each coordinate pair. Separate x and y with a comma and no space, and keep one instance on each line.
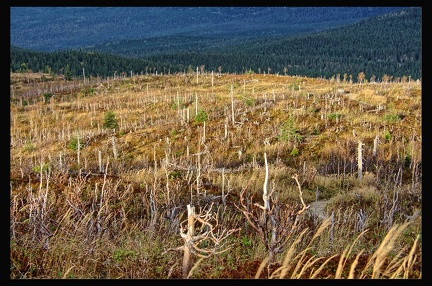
(388,44)
(61,28)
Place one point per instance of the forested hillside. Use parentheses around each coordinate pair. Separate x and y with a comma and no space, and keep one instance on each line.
(385,45)
(382,45)
(77,27)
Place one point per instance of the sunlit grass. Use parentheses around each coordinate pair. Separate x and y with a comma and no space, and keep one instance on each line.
(118,222)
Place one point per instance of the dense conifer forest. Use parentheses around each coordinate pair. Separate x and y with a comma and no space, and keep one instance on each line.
(389,44)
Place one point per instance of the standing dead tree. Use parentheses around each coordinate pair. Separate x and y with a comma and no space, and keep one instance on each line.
(274,222)
(201,229)
(360,160)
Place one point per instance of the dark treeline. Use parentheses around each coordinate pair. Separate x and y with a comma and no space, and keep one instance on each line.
(71,63)
(386,45)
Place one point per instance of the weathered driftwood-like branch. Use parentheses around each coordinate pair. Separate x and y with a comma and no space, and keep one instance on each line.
(295,177)
(193,236)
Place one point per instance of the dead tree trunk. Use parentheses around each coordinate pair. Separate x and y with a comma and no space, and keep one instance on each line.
(360,160)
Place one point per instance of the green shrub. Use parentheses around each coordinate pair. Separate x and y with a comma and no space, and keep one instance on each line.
(73,143)
(173,132)
(37,168)
(47,96)
(391,118)
(177,105)
(246,242)
(294,151)
(387,135)
(249,100)
(201,116)
(121,254)
(87,90)
(110,121)
(294,86)
(175,175)
(289,131)
(316,131)
(334,116)
(29,146)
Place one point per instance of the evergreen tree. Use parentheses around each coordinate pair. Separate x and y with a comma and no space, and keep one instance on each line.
(110,121)
(67,73)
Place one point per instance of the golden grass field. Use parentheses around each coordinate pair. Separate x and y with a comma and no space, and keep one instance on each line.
(164,176)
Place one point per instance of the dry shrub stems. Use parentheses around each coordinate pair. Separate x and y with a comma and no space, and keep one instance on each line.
(88,201)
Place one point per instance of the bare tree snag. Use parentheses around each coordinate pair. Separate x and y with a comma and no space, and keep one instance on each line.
(274,223)
(232,105)
(114,147)
(78,149)
(375,148)
(196,104)
(360,159)
(100,161)
(202,226)
(265,195)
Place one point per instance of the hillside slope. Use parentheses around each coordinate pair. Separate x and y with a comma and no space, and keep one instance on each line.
(104,173)
(77,27)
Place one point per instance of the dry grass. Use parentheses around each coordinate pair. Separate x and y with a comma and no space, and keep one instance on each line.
(70,220)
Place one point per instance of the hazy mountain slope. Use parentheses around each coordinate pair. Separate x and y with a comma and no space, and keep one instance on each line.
(372,31)
(394,37)
(388,44)
(54,28)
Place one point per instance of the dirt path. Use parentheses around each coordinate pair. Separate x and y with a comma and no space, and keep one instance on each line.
(318,208)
